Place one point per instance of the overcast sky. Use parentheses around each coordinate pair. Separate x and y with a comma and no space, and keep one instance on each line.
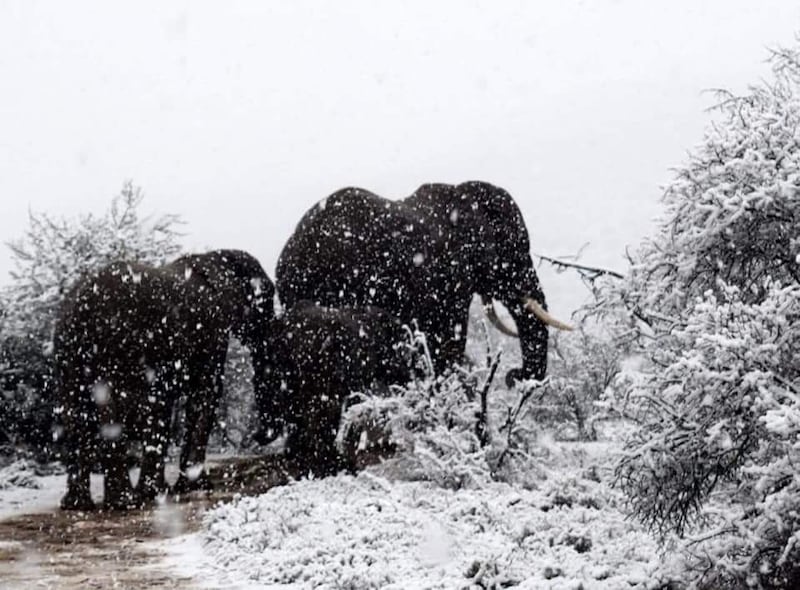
(240,115)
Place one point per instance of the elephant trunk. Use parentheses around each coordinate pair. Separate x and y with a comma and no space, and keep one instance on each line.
(533,336)
(524,299)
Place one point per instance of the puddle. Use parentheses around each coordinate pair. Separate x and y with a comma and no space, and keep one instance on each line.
(59,549)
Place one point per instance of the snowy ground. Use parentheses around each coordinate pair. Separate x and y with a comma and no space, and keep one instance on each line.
(368,531)
(23,491)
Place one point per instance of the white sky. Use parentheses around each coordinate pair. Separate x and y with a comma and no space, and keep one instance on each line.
(240,115)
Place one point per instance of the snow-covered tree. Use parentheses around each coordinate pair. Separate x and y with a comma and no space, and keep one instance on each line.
(715,300)
(48,259)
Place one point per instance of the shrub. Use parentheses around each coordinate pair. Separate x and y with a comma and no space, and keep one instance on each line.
(714,301)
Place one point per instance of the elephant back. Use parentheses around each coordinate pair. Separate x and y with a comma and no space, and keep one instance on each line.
(122,306)
(351,249)
(224,292)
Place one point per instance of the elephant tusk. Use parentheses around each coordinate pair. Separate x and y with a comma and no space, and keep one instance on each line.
(491,313)
(536,309)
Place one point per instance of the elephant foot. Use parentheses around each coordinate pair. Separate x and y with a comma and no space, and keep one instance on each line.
(320,470)
(121,502)
(123,498)
(151,484)
(147,494)
(78,500)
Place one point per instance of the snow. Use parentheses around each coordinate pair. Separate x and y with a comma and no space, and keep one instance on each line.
(22,491)
(370,531)
(367,531)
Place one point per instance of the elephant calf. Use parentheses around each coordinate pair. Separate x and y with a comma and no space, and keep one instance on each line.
(130,340)
(319,356)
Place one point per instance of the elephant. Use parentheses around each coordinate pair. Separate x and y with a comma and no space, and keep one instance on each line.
(129,340)
(422,259)
(319,355)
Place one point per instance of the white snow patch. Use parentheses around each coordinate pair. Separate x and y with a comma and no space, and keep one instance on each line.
(367,532)
(16,500)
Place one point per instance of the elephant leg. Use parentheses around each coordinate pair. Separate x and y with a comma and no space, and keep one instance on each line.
(79,431)
(446,333)
(155,441)
(117,488)
(269,401)
(201,406)
(78,496)
(312,442)
(118,491)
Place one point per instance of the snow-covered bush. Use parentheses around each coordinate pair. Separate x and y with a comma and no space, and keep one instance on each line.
(52,254)
(715,302)
(458,430)
(368,532)
(583,366)
(729,422)
(19,474)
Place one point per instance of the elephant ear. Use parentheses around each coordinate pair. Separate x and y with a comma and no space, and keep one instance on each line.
(244,289)
(246,278)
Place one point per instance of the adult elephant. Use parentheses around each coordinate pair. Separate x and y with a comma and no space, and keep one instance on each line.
(423,258)
(319,355)
(129,340)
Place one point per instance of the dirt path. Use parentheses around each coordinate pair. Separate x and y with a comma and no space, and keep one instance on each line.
(72,550)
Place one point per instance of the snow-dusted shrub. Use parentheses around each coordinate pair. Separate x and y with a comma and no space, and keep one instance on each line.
(368,532)
(726,418)
(48,259)
(583,366)
(19,474)
(457,429)
(715,300)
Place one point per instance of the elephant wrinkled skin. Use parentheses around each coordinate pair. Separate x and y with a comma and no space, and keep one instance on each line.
(422,259)
(130,340)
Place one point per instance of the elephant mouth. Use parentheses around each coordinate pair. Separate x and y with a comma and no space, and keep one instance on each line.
(530,305)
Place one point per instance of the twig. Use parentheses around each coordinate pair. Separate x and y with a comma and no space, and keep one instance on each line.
(594,271)
(481,427)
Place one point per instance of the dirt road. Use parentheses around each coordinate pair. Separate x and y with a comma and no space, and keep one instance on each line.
(71,550)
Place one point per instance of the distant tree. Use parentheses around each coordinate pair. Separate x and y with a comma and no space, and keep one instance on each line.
(237,419)
(715,305)
(48,259)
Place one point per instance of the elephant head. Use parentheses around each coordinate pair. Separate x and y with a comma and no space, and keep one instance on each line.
(230,288)
(488,249)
